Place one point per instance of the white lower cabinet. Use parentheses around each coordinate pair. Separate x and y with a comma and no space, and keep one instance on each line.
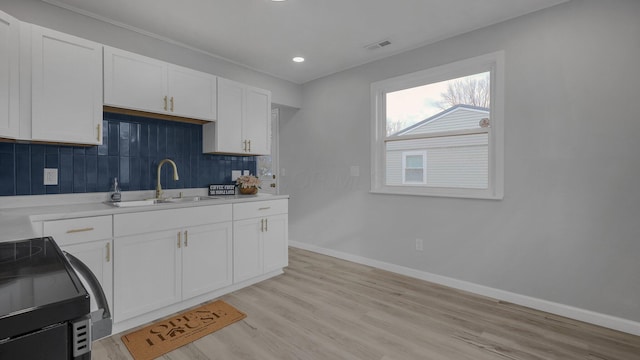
(275,243)
(260,238)
(206,259)
(247,249)
(147,273)
(150,262)
(90,240)
(98,257)
(164,257)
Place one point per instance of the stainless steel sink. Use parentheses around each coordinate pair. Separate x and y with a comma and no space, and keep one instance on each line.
(171,200)
(133,203)
(187,199)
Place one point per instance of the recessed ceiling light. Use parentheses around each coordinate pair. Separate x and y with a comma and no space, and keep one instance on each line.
(278,0)
(298,59)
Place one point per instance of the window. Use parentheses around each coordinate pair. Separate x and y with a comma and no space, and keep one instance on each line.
(439,131)
(414,167)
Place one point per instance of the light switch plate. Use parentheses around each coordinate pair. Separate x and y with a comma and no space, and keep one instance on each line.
(50,176)
(235,174)
(246,172)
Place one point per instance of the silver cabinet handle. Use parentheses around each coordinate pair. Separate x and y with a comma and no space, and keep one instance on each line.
(108,252)
(165,103)
(265,208)
(264,225)
(249,145)
(72,231)
(179,239)
(171,101)
(186,238)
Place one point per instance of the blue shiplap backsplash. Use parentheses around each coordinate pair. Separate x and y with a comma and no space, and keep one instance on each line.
(131,149)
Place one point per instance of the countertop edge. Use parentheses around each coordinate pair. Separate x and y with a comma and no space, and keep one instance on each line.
(18,223)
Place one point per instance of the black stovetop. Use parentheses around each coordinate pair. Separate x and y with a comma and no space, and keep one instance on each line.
(38,287)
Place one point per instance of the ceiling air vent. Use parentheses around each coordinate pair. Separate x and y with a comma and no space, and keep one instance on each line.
(378,45)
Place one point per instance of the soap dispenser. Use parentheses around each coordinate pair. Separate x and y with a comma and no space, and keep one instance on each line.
(116,196)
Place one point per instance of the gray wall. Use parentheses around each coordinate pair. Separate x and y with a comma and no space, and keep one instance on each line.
(568,229)
(43,14)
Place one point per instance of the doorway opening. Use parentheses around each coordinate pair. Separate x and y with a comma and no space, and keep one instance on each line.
(267,165)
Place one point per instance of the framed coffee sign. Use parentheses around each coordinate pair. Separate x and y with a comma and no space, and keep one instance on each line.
(215,189)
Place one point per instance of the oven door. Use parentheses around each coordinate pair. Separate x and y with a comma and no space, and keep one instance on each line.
(50,343)
(101,322)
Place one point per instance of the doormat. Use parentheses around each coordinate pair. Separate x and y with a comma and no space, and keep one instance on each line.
(163,336)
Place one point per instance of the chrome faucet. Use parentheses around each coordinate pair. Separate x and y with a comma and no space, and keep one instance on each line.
(175,175)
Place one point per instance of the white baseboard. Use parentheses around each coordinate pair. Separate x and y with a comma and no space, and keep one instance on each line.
(608,321)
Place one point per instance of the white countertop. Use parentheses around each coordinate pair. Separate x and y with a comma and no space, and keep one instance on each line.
(17,214)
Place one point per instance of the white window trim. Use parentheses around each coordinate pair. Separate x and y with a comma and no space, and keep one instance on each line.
(422,153)
(494,62)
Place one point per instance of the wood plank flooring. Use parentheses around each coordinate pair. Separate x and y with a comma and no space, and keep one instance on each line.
(326,308)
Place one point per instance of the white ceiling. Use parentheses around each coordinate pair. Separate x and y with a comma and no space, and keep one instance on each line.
(331,34)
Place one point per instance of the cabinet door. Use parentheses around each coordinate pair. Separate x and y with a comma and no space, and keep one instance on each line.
(97,256)
(256,126)
(247,249)
(9,76)
(192,93)
(206,259)
(227,134)
(275,242)
(134,81)
(243,124)
(67,88)
(147,272)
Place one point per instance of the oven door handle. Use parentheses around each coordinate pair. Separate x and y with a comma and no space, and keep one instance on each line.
(101,327)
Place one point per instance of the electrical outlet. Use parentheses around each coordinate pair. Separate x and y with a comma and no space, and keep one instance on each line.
(419,244)
(354,170)
(50,176)
(235,174)
(246,172)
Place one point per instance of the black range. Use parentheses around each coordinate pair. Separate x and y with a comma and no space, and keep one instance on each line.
(43,305)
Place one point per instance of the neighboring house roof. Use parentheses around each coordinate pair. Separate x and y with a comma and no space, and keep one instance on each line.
(444,116)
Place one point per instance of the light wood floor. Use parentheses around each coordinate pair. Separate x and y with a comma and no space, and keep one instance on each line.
(325,308)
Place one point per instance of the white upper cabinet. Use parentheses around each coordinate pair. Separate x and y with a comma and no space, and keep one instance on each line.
(9,76)
(136,82)
(226,134)
(192,93)
(244,121)
(66,88)
(256,127)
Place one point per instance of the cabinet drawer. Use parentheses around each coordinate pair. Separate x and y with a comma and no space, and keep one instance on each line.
(256,209)
(79,230)
(151,221)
